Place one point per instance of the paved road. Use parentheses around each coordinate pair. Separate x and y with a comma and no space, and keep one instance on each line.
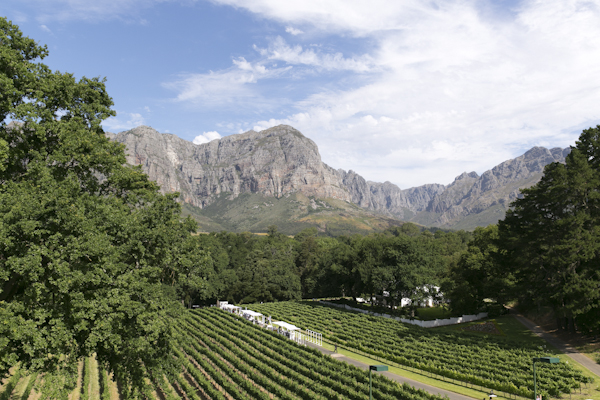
(559,344)
(395,377)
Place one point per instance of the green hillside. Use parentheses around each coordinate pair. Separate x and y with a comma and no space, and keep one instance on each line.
(290,213)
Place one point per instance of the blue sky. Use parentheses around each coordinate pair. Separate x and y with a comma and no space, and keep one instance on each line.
(407,91)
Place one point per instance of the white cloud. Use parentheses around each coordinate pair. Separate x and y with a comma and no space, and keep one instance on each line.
(206,137)
(295,55)
(453,87)
(293,31)
(355,16)
(413,91)
(123,122)
(45,28)
(223,87)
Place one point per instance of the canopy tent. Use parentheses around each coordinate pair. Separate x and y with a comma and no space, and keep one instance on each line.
(231,308)
(251,313)
(255,317)
(290,331)
(286,326)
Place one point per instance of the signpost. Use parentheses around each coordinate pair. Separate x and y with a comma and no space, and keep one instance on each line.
(547,360)
(376,368)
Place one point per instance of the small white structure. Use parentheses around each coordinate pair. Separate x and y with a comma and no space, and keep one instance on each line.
(430,293)
(290,331)
(232,309)
(314,337)
(254,317)
(224,305)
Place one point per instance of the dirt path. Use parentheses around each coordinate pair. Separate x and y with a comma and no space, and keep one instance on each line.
(559,344)
(392,376)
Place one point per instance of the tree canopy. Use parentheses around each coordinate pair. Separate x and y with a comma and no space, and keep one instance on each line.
(90,251)
(551,238)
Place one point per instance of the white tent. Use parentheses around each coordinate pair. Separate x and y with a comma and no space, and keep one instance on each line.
(253,316)
(231,308)
(251,313)
(290,331)
(286,326)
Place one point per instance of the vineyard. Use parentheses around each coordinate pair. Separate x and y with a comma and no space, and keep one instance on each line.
(224,358)
(495,363)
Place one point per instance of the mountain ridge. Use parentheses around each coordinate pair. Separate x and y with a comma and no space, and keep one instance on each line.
(280,161)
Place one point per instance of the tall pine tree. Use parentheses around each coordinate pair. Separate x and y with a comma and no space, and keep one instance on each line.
(551,238)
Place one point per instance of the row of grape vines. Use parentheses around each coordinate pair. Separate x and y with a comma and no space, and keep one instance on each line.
(94,384)
(234,359)
(493,363)
(223,357)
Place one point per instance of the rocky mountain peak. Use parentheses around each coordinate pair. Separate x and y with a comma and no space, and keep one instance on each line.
(274,162)
(467,175)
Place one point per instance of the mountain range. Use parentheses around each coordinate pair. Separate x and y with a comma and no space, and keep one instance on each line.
(276,176)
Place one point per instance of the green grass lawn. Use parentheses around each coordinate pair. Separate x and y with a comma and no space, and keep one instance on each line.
(509,327)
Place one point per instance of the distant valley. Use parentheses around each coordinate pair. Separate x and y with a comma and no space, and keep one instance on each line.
(249,181)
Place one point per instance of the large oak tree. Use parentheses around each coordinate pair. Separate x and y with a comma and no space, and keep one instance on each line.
(88,246)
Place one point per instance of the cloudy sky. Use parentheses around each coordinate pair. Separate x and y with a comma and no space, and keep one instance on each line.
(409,91)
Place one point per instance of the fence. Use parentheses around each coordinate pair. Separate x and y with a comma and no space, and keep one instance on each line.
(314,337)
(423,324)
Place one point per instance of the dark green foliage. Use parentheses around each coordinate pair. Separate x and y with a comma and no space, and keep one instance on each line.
(29,387)
(259,269)
(88,246)
(254,268)
(104,384)
(85,385)
(477,276)
(551,239)
(10,385)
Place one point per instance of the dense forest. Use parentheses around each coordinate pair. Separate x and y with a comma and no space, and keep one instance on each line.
(404,262)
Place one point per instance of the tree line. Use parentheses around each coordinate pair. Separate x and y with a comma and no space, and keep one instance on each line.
(403,262)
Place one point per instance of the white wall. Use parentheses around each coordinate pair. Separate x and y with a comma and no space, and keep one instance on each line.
(423,324)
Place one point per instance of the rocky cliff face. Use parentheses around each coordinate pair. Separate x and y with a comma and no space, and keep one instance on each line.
(273,162)
(280,161)
(471,195)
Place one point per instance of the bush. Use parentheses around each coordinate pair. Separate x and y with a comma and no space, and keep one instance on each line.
(495,310)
